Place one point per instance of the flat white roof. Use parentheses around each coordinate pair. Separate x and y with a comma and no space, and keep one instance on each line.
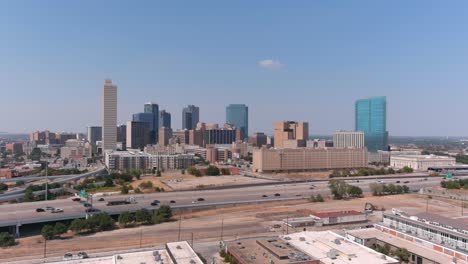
(423,157)
(182,253)
(147,257)
(319,244)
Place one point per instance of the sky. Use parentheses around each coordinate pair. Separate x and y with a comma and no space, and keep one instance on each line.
(287,60)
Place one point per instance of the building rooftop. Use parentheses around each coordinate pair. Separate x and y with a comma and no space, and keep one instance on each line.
(147,257)
(182,253)
(460,224)
(419,157)
(336,214)
(331,248)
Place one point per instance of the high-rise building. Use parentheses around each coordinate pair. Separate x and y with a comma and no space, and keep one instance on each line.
(94,135)
(258,139)
(291,134)
(164,119)
(238,116)
(109,116)
(165,134)
(147,118)
(371,118)
(348,139)
(180,136)
(190,117)
(153,109)
(137,134)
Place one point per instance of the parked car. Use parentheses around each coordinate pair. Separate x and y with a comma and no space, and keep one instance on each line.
(57,210)
(40,210)
(101,199)
(277,194)
(155,203)
(76,199)
(264,196)
(201,199)
(92,210)
(406,182)
(49,208)
(68,256)
(397,181)
(194,202)
(87,205)
(172,201)
(82,255)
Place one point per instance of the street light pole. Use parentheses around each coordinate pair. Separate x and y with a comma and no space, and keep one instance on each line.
(47,181)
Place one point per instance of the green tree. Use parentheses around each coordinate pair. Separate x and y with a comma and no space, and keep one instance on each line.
(158,173)
(78,225)
(60,229)
(3,187)
(19,183)
(100,222)
(225,171)
(407,169)
(338,188)
(126,219)
(7,240)
(194,171)
(47,232)
(319,198)
(403,254)
(28,194)
(35,154)
(354,191)
(165,211)
(182,171)
(376,189)
(212,171)
(143,216)
(124,189)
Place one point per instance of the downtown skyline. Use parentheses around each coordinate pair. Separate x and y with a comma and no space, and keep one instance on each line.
(308,63)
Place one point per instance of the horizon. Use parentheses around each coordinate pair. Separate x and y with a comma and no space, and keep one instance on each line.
(303,61)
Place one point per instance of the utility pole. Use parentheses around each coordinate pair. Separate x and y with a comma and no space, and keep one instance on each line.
(222,228)
(141,236)
(287,225)
(45,249)
(47,181)
(427,204)
(180,223)
(462,205)
(192,240)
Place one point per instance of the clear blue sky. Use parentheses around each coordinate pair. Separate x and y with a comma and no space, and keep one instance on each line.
(55,55)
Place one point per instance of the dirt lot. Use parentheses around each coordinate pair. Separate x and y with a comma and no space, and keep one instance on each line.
(240,221)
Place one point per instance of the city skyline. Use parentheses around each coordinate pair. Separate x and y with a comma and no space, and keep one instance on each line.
(176,56)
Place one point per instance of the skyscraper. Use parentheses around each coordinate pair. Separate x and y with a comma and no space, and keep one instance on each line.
(164,119)
(154,109)
(238,116)
(109,116)
(291,134)
(371,118)
(147,118)
(190,117)
(137,134)
(94,135)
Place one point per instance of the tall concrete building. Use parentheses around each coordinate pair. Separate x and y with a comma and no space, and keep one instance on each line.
(154,127)
(137,134)
(238,116)
(258,139)
(348,139)
(94,134)
(164,119)
(165,134)
(371,118)
(147,118)
(190,117)
(109,116)
(291,134)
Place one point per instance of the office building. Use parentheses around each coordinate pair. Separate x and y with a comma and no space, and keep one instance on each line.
(109,116)
(258,139)
(190,117)
(94,134)
(43,137)
(180,136)
(149,119)
(122,136)
(165,134)
(61,138)
(291,130)
(137,134)
(137,160)
(164,119)
(75,149)
(421,162)
(348,139)
(303,159)
(15,148)
(153,109)
(216,135)
(238,116)
(371,118)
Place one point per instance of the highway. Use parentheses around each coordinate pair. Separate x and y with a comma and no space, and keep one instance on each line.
(24,213)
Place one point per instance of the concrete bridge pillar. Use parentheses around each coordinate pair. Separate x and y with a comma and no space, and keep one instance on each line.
(17,230)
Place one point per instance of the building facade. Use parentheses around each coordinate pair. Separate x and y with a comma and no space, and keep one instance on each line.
(348,139)
(137,134)
(165,134)
(164,119)
(258,139)
(94,134)
(153,109)
(303,159)
(238,116)
(137,160)
(371,118)
(420,162)
(109,116)
(190,117)
(291,130)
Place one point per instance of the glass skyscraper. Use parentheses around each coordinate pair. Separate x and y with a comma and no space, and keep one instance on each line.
(153,109)
(190,117)
(371,118)
(238,116)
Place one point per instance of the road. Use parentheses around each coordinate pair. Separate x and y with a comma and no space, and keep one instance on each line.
(24,213)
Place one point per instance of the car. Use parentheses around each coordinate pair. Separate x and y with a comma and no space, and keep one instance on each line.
(92,210)
(172,201)
(68,256)
(82,255)
(264,195)
(397,181)
(311,187)
(406,182)
(40,210)
(194,202)
(49,208)
(87,205)
(298,195)
(277,194)
(76,199)
(201,199)
(57,210)
(101,199)
(155,203)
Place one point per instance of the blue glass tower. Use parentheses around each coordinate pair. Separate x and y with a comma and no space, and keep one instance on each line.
(154,126)
(371,118)
(238,116)
(149,119)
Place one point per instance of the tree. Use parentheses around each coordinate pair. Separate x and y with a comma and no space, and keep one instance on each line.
(158,173)
(78,225)
(35,154)
(3,187)
(212,171)
(403,254)
(143,216)
(7,240)
(376,189)
(108,182)
(136,173)
(338,188)
(47,232)
(183,172)
(407,169)
(124,189)
(354,191)
(126,218)
(28,194)
(225,171)
(194,171)
(60,229)
(19,183)
(165,211)
(146,185)
(319,198)
(100,222)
